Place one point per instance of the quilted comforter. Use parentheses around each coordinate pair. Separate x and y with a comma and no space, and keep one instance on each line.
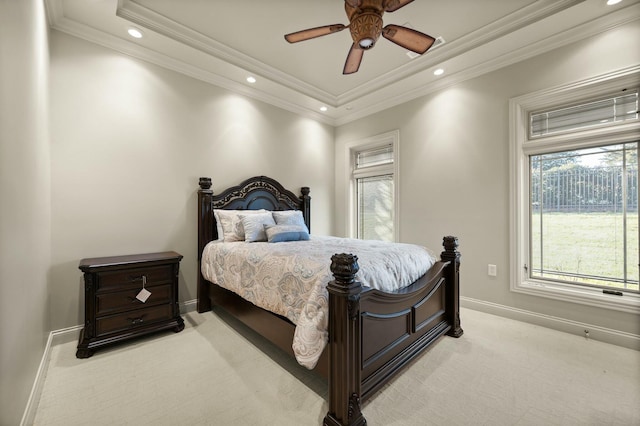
(290,278)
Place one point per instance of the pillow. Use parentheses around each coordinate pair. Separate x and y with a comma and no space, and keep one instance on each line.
(231,223)
(218,227)
(289,217)
(281,233)
(254,224)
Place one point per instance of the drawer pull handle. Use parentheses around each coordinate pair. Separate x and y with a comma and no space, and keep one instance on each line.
(142,278)
(136,321)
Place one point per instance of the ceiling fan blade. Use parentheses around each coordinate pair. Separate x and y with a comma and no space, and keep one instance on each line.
(408,38)
(354,58)
(355,3)
(393,5)
(313,33)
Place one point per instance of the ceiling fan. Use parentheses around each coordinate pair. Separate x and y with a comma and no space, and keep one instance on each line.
(365,24)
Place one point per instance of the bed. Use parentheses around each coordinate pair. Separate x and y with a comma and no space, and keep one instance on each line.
(372,334)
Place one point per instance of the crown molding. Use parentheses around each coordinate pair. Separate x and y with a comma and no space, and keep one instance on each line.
(523,17)
(147,18)
(581,32)
(283,91)
(58,21)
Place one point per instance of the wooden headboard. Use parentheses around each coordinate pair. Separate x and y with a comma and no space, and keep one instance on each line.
(259,192)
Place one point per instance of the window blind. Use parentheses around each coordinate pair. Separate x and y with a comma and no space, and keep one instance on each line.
(607,111)
(375,208)
(374,157)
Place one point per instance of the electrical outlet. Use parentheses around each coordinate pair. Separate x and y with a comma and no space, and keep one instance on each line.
(492,270)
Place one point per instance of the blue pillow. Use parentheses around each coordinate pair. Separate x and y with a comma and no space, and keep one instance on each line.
(281,233)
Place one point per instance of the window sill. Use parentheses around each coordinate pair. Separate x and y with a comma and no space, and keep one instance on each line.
(629,302)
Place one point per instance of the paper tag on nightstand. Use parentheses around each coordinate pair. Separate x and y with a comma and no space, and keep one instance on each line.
(143,295)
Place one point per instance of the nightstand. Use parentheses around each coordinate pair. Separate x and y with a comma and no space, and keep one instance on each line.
(115,305)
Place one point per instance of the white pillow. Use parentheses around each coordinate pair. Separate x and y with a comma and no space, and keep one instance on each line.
(254,224)
(218,227)
(231,222)
(289,217)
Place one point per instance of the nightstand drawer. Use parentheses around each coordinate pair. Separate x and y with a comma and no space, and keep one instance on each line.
(112,313)
(132,278)
(107,303)
(133,319)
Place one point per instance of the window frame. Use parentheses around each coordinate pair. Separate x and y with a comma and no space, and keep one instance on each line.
(521,146)
(390,138)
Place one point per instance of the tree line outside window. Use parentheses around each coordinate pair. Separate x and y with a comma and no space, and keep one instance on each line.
(584,181)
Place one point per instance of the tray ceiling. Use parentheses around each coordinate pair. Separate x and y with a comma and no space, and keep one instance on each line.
(225,41)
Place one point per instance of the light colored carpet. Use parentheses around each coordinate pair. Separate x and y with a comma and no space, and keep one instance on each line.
(215,372)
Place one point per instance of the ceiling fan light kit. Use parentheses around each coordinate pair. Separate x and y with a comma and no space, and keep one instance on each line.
(366,29)
(365,24)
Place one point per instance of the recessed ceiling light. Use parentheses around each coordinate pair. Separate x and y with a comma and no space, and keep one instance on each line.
(439,71)
(612,2)
(251,79)
(323,108)
(135,33)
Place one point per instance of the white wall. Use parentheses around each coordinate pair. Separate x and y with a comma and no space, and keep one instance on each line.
(129,140)
(454,167)
(24,201)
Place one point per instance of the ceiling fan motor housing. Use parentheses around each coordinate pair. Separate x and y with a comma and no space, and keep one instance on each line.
(366,28)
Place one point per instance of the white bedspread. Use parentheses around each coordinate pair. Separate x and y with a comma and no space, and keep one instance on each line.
(290,278)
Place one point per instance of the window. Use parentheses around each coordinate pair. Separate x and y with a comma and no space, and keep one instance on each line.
(574,158)
(373,177)
(584,216)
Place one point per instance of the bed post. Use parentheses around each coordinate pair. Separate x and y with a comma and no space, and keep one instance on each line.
(306,206)
(345,344)
(205,234)
(452,255)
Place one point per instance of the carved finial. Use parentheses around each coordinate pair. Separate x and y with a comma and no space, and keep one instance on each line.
(305,191)
(205,182)
(450,243)
(450,252)
(344,267)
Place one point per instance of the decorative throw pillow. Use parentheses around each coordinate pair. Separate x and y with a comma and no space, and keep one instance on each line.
(289,217)
(254,225)
(231,222)
(281,233)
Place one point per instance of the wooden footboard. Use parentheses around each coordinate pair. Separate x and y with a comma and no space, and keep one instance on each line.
(373,334)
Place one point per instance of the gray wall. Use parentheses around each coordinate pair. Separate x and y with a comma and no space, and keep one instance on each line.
(128,142)
(454,168)
(24,201)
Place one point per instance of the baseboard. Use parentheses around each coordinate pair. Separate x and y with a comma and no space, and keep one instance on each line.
(55,338)
(36,390)
(607,335)
(188,306)
(58,337)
